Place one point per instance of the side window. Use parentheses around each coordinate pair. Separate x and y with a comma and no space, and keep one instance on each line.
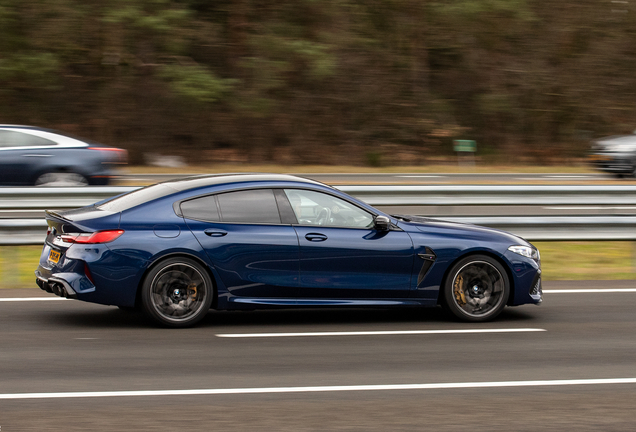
(203,209)
(249,206)
(18,139)
(320,209)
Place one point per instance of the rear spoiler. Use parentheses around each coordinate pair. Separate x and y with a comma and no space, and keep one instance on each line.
(56,215)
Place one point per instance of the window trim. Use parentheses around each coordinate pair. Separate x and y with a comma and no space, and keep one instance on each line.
(176,206)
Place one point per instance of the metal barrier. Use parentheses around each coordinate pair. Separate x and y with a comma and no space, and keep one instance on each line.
(467,195)
(447,195)
(32,231)
(540,228)
(28,198)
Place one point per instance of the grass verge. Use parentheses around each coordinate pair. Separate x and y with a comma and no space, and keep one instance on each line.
(560,261)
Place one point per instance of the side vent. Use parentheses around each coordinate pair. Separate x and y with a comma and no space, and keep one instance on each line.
(429,258)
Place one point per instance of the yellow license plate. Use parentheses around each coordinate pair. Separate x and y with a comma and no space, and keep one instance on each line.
(54,256)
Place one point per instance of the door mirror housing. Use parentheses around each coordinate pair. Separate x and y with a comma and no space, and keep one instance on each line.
(382,223)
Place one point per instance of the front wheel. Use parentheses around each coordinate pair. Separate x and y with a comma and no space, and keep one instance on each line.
(477,289)
(61,179)
(177,292)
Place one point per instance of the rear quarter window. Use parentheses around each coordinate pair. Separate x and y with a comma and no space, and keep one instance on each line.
(203,209)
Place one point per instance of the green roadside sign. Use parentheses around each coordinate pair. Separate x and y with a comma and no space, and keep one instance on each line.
(465,146)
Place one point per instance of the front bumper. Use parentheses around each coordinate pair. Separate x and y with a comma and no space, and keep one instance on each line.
(617,163)
(536,292)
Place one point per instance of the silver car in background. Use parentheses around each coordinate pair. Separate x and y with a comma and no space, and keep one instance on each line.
(615,155)
(32,156)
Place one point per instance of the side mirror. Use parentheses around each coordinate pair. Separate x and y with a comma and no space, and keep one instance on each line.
(382,223)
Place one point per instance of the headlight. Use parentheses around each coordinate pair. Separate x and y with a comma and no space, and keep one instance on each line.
(525,251)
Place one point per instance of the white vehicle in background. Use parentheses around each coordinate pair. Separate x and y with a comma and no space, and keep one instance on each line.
(615,155)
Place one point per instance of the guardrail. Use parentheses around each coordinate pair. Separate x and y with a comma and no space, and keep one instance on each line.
(467,195)
(17,198)
(537,228)
(540,228)
(27,198)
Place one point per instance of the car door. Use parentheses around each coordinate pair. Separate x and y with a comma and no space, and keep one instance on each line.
(254,254)
(342,255)
(22,155)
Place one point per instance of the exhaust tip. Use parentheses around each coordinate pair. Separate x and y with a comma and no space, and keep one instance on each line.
(59,290)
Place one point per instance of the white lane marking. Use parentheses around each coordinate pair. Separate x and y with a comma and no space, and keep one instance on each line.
(31,299)
(589,290)
(419,176)
(548,178)
(369,333)
(567,176)
(316,389)
(590,208)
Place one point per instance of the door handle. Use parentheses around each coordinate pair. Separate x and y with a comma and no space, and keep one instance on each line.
(315,237)
(214,232)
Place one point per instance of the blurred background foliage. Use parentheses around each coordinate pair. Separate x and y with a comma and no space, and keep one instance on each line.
(322,82)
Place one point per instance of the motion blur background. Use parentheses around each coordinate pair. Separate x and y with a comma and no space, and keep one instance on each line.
(384,82)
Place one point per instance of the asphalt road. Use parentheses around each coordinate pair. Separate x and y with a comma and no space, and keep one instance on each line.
(49,348)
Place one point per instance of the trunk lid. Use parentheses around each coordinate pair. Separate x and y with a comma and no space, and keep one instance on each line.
(83,220)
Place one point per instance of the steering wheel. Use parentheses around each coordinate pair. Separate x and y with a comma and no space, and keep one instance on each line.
(323,216)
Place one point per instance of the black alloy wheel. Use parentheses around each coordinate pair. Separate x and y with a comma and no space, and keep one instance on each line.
(177,292)
(476,289)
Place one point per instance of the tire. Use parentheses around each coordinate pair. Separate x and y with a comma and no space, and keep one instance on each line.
(177,293)
(61,179)
(476,289)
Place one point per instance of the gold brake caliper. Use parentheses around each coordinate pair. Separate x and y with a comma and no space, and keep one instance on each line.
(457,290)
(193,287)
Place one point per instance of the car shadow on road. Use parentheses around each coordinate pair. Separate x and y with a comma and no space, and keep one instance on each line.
(291,317)
(110,317)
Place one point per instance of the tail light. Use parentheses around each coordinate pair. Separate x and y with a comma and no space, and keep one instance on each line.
(121,155)
(92,238)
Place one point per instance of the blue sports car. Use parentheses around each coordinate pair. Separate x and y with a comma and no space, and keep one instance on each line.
(247,241)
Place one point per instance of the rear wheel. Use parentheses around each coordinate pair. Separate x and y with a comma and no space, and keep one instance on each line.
(177,292)
(476,289)
(61,179)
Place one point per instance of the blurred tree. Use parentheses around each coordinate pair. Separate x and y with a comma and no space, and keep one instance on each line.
(328,81)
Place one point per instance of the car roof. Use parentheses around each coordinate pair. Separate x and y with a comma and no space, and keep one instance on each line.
(12,126)
(219,179)
(194,184)
(62,134)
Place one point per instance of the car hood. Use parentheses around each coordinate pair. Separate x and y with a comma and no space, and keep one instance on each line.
(616,143)
(425,225)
